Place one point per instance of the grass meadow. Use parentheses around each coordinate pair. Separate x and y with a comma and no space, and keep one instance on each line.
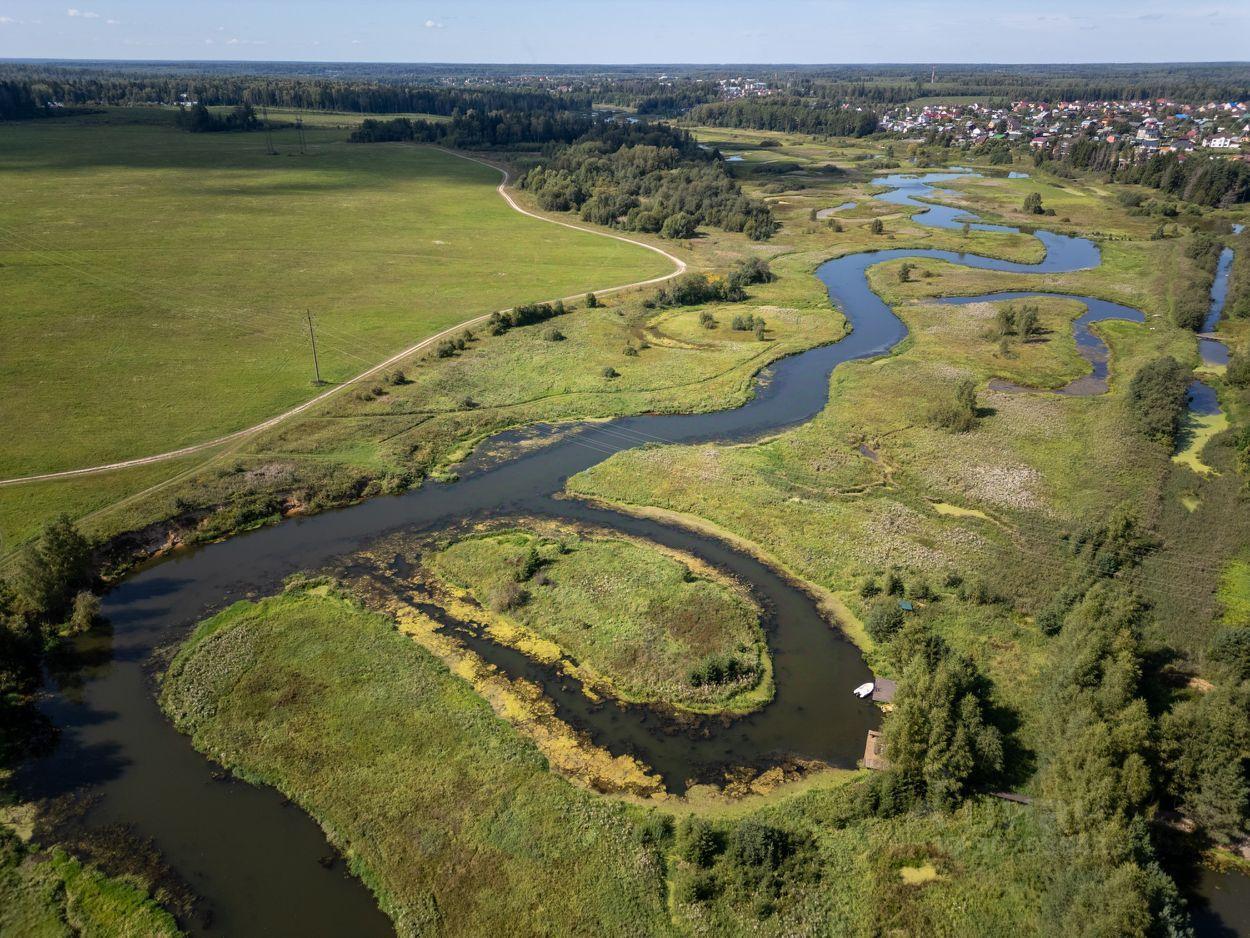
(156,281)
(636,621)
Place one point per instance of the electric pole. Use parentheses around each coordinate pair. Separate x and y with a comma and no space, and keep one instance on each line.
(312,337)
(264,113)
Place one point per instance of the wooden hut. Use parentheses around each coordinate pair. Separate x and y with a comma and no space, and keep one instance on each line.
(874,753)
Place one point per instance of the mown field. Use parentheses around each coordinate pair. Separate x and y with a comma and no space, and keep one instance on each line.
(156,281)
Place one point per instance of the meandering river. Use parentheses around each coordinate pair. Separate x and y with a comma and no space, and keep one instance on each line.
(254,858)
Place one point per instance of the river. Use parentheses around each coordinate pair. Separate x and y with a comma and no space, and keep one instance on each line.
(255,859)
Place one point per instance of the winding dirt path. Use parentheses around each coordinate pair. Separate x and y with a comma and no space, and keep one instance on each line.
(679,267)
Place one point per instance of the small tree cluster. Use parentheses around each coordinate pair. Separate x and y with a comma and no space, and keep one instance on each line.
(526,315)
(958,413)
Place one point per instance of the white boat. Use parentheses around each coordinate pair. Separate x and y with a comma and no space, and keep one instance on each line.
(863,690)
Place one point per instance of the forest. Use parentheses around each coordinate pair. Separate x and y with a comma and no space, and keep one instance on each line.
(791,115)
(646,177)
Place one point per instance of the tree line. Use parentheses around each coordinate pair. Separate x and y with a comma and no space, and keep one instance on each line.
(1204,180)
(791,115)
(479,129)
(70,87)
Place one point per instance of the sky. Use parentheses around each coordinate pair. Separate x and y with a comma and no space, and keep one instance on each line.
(630,31)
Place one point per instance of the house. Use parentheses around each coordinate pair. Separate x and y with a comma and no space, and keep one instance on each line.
(874,752)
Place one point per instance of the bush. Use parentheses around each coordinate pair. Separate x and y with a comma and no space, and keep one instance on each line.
(707,320)
(553,335)
(85,612)
(507,596)
(877,227)
(445,349)
(951,415)
(884,620)
(678,226)
(610,372)
(1157,398)
(1238,372)
(755,844)
(592,301)
(631,352)
(1231,648)
(698,842)
(1033,204)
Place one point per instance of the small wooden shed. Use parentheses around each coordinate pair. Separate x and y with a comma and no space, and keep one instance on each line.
(874,753)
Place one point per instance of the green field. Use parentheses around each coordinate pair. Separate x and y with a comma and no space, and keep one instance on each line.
(156,281)
(638,623)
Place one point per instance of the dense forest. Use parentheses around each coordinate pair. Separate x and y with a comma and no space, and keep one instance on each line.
(70,88)
(792,115)
(646,177)
(478,129)
(1205,180)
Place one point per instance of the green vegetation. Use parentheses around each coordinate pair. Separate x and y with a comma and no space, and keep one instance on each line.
(646,177)
(449,817)
(49,894)
(641,625)
(1157,395)
(183,265)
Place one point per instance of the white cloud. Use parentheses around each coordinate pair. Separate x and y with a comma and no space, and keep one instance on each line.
(8,21)
(114,22)
(85,14)
(246,42)
(355,42)
(431,24)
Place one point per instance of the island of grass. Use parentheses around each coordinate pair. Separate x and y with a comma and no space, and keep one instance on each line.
(450,817)
(637,623)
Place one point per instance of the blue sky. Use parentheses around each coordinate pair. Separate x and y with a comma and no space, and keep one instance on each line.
(611,31)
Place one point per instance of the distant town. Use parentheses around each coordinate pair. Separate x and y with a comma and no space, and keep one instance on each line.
(1158,126)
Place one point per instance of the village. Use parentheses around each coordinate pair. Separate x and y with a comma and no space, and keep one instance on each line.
(1158,126)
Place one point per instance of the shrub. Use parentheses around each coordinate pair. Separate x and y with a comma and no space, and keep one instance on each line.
(398,378)
(678,226)
(884,620)
(507,596)
(1238,371)
(1231,647)
(445,349)
(86,610)
(1157,398)
(707,320)
(631,352)
(753,843)
(553,335)
(876,227)
(610,372)
(1033,204)
(698,842)
(592,301)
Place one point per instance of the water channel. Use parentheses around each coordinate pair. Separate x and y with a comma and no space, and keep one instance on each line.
(253,857)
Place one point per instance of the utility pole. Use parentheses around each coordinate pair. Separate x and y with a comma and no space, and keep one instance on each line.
(264,113)
(312,337)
